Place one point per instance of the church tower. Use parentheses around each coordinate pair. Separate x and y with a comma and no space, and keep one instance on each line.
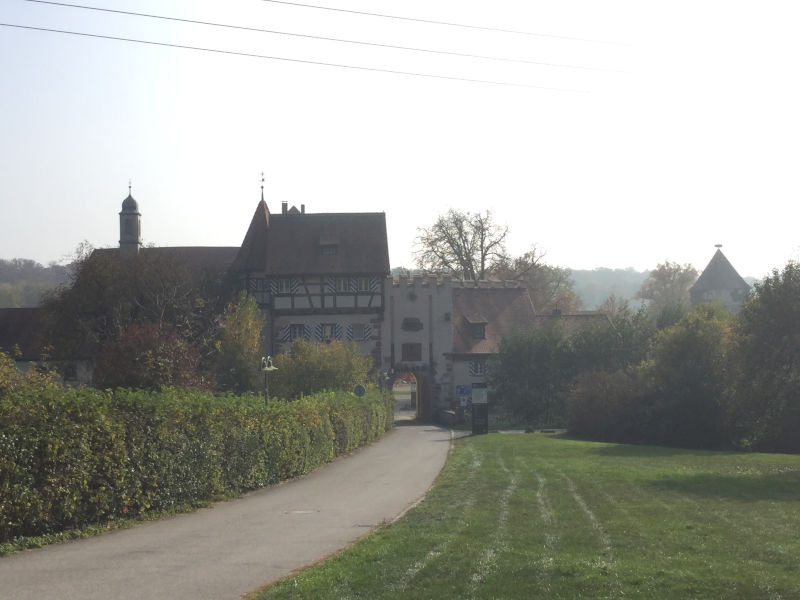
(130,227)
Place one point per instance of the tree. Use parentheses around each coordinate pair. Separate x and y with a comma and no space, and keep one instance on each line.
(764,405)
(550,287)
(465,244)
(673,397)
(689,368)
(106,294)
(667,291)
(530,374)
(240,345)
(150,356)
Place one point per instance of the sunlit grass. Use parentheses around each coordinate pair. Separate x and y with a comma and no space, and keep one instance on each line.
(537,516)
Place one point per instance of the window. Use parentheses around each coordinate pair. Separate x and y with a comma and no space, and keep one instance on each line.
(328,331)
(284,286)
(477,368)
(478,331)
(411,352)
(364,284)
(411,324)
(342,284)
(327,249)
(297,331)
(359,331)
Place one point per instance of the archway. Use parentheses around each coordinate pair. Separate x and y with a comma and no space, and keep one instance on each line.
(412,394)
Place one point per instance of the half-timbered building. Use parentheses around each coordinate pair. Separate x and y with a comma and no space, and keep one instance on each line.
(318,276)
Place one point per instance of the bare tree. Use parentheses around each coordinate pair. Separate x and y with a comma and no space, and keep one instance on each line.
(550,287)
(465,244)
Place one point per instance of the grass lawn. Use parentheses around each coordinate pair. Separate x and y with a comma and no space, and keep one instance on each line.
(540,516)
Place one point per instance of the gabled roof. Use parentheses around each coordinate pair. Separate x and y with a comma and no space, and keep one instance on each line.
(292,243)
(194,258)
(21,327)
(719,275)
(503,310)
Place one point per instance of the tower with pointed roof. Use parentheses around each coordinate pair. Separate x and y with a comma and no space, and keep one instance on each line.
(130,227)
(720,282)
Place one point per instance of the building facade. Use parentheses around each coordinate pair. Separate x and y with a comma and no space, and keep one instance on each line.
(318,277)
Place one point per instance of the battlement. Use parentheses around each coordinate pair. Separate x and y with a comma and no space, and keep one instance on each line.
(439,280)
(485,284)
(422,280)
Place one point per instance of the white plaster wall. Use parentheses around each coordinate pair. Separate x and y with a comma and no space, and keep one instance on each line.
(431,301)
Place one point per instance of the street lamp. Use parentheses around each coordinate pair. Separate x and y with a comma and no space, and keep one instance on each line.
(267,366)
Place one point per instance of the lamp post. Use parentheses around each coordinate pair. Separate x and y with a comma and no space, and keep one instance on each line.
(267,366)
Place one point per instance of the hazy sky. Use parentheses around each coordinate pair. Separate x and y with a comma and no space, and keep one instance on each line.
(654,131)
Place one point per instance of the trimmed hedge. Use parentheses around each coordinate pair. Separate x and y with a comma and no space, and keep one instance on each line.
(72,457)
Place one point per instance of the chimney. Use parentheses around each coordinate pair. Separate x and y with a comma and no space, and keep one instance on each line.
(302,209)
(284,207)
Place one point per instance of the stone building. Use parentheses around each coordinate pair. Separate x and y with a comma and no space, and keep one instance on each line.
(720,282)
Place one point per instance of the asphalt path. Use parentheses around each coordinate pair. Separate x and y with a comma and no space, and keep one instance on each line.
(236,547)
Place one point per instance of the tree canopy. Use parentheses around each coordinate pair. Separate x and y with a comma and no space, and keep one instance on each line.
(462,243)
(667,291)
(471,246)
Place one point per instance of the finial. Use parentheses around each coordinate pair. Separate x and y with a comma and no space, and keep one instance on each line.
(262,186)
(717,245)
(129,186)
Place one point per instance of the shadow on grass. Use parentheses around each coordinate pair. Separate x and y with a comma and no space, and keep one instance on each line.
(774,487)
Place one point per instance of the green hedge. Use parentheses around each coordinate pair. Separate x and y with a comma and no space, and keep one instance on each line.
(72,457)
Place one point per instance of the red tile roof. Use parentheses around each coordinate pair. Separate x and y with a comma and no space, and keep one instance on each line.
(504,310)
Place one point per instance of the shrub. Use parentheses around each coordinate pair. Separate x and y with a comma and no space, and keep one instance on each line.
(69,457)
(311,367)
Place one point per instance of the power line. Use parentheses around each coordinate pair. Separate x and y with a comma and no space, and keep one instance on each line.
(447,23)
(323,38)
(295,60)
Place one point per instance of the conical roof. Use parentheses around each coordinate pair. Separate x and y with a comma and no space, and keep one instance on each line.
(252,255)
(719,275)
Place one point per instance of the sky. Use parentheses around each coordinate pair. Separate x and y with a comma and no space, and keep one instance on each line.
(612,134)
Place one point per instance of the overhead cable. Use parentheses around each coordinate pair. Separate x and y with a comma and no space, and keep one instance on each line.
(447,23)
(295,60)
(322,38)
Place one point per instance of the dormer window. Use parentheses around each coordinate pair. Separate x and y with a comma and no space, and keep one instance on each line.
(328,244)
(478,331)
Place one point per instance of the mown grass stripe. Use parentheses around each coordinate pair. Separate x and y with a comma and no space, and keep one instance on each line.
(662,524)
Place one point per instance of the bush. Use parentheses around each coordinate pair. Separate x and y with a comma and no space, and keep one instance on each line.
(610,407)
(70,457)
(150,356)
(311,367)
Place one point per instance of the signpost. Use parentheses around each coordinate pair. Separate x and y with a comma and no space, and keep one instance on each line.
(480,409)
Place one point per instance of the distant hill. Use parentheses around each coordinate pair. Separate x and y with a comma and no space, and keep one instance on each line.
(23,281)
(593,287)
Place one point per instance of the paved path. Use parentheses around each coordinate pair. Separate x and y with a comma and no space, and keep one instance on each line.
(236,547)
